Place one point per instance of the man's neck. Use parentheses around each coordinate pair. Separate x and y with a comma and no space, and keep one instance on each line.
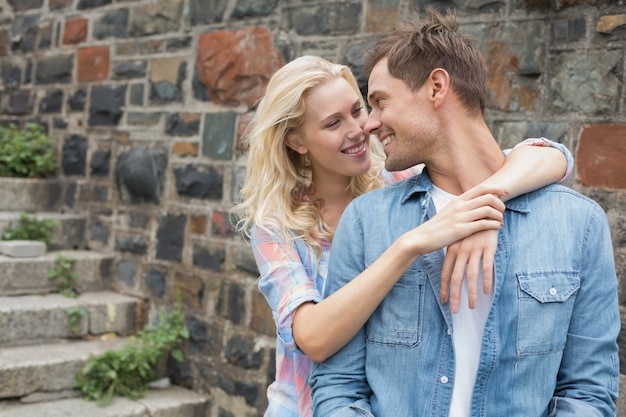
(471,156)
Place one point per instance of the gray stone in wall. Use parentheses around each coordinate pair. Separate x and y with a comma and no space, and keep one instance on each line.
(353,58)
(136,94)
(24,32)
(59,123)
(91,4)
(244,260)
(11,75)
(586,82)
(77,101)
(139,219)
(249,392)
(208,258)
(28,72)
(99,232)
(241,352)
(253,8)
(569,30)
(100,162)
(21,5)
(156,282)
(509,134)
(200,92)
(139,175)
(217,138)
(74,156)
(126,273)
(54,69)
(203,337)
(132,244)
(326,19)
(464,5)
(206,11)
(112,25)
(52,102)
(175,44)
(231,303)
(45,35)
(197,184)
(70,195)
(106,106)
(171,237)
(158,16)
(164,92)
(175,125)
(127,70)
(20,103)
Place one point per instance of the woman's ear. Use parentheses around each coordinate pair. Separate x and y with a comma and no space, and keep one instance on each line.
(294,143)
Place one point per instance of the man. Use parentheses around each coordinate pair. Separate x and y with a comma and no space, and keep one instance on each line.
(543,341)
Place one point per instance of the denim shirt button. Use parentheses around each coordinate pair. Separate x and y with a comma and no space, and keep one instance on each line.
(449,331)
(444,379)
(552,291)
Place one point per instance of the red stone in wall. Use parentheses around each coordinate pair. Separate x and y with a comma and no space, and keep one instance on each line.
(601,156)
(236,65)
(93,64)
(75,31)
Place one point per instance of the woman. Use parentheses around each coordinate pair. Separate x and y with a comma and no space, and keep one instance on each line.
(308,158)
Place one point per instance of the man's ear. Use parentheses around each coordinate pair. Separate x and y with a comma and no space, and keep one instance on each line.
(439,80)
(294,143)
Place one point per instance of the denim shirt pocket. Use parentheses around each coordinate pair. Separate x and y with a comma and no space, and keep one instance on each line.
(398,319)
(545,301)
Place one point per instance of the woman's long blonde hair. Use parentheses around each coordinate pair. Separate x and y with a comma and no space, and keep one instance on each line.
(278,179)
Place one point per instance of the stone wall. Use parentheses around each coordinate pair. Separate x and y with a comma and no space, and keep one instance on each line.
(147,100)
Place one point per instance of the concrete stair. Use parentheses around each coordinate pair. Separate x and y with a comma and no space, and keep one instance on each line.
(47,337)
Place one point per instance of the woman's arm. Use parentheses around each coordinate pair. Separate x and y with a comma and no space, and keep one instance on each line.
(526,168)
(320,329)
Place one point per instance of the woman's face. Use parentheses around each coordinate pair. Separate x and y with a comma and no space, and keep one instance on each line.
(332,133)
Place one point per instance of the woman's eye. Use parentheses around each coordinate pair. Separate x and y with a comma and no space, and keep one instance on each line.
(333,123)
(357,111)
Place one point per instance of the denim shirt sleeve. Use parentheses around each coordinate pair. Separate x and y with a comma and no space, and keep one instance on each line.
(547,142)
(284,281)
(339,387)
(587,383)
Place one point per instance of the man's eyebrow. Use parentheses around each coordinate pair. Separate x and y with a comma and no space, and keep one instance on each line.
(370,96)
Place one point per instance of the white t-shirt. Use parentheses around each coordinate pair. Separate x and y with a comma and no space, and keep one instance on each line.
(468,325)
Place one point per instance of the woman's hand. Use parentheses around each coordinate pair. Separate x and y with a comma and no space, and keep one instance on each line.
(470,254)
(466,255)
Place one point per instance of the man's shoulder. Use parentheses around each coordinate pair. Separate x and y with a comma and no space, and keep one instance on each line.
(564,199)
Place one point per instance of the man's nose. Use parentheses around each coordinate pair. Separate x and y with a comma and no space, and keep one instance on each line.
(372,124)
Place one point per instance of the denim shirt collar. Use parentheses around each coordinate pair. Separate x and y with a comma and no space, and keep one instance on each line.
(422,183)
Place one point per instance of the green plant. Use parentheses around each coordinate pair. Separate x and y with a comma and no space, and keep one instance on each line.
(31,228)
(26,153)
(64,275)
(74,315)
(127,372)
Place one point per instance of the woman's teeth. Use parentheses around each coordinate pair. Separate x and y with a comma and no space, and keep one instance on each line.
(354,150)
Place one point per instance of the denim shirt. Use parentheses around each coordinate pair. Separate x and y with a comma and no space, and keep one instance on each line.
(549,345)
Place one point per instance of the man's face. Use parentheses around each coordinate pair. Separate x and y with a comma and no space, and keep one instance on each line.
(402,119)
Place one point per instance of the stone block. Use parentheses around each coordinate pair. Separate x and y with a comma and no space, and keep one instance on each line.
(75,31)
(93,63)
(601,156)
(22,248)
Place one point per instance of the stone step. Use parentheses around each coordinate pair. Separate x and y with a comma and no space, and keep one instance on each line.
(70,233)
(36,318)
(31,194)
(169,402)
(30,275)
(47,367)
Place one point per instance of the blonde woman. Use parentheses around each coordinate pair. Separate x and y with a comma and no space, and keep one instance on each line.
(308,158)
